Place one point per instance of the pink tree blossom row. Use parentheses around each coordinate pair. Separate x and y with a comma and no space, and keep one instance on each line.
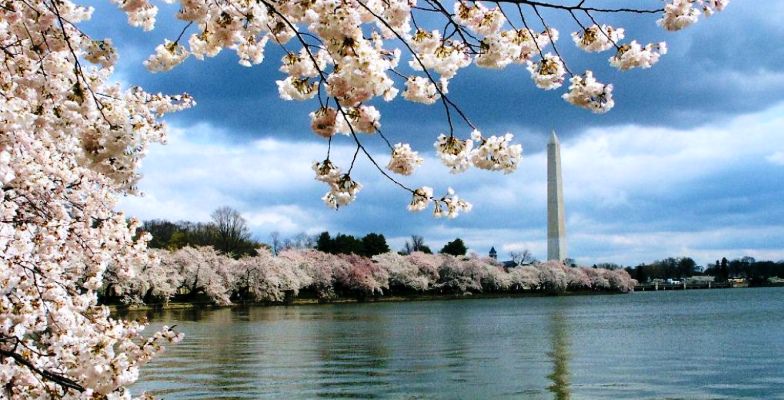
(202,273)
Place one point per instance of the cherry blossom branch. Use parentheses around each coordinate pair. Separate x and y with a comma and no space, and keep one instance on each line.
(580,6)
(58,379)
(552,42)
(444,99)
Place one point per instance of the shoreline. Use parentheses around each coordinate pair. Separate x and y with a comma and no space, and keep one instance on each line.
(347,300)
(115,308)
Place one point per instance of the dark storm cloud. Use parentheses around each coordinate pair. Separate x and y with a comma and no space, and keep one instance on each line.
(244,147)
(725,65)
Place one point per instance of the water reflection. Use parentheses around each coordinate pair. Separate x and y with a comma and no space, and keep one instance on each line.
(352,356)
(533,348)
(559,340)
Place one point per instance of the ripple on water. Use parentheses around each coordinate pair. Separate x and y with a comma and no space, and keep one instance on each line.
(720,344)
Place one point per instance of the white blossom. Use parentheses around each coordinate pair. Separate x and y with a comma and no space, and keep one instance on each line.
(445,57)
(101,52)
(420,198)
(327,172)
(251,51)
(548,73)
(297,89)
(450,205)
(596,39)
(362,119)
(495,153)
(478,18)
(678,14)
(301,65)
(586,92)
(453,152)
(323,121)
(421,90)
(167,56)
(342,192)
(633,55)
(404,160)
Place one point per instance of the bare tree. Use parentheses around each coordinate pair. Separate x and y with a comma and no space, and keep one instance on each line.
(303,241)
(231,230)
(275,237)
(522,257)
(417,244)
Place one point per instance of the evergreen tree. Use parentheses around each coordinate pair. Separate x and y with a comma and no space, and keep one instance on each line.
(455,248)
(374,243)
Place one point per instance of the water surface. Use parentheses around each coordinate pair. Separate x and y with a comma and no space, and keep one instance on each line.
(698,344)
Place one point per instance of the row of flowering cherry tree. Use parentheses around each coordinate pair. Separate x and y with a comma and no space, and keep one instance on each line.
(73,138)
(202,273)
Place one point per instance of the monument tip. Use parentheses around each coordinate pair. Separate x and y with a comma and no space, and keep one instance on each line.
(553,138)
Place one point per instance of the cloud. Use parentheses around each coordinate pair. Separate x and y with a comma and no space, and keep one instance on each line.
(776,158)
(633,193)
(721,67)
(692,147)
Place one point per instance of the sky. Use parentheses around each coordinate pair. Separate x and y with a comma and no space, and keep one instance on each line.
(690,162)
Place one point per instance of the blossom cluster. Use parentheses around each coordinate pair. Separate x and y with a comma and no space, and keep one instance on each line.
(404,160)
(679,14)
(347,54)
(597,38)
(634,55)
(494,153)
(72,141)
(342,189)
(586,92)
(188,273)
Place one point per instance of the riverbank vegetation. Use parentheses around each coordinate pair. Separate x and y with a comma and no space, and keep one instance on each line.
(754,272)
(199,274)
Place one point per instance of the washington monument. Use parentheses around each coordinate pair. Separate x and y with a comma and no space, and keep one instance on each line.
(556,226)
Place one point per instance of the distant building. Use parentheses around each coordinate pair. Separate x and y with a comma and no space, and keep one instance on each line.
(493,253)
(700,279)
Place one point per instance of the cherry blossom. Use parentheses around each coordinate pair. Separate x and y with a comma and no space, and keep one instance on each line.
(297,88)
(679,14)
(586,92)
(453,152)
(72,143)
(495,153)
(342,192)
(548,74)
(404,160)
(451,205)
(421,198)
(264,278)
(597,39)
(324,121)
(346,55)
(421,90)
(167,56)
(633,55)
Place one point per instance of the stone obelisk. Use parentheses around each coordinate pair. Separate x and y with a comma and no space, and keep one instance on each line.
(556,225)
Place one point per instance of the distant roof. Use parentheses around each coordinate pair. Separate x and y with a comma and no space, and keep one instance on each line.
(492,249)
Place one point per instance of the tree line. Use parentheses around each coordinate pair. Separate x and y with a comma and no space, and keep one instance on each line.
(755,272)
(228,233)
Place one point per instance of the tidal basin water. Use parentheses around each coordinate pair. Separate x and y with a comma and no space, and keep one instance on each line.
(698,344)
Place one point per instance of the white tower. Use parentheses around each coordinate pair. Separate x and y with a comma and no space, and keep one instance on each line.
(556,226)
